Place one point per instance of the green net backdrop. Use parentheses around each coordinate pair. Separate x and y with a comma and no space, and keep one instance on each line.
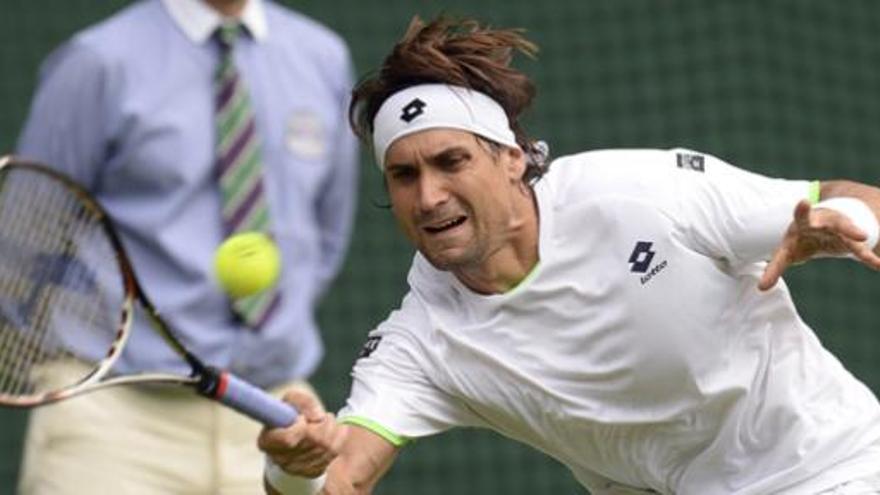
(787,88)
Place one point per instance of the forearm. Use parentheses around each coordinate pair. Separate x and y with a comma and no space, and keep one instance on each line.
(342,480)
(357,472)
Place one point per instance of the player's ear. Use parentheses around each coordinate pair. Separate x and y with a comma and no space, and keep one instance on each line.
(515,162)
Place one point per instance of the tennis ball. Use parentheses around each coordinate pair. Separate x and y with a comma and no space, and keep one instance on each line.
(247,263)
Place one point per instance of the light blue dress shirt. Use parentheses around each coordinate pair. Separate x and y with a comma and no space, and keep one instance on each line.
(126,108)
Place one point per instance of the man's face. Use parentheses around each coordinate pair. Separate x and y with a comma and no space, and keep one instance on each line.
(453,196)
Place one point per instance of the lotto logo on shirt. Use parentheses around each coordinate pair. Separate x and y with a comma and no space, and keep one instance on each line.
(641,257)
(640,261)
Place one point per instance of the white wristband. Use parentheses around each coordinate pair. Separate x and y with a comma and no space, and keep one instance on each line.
(287,484)
(859,213)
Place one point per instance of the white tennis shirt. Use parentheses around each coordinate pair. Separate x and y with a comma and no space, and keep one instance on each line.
(639,352)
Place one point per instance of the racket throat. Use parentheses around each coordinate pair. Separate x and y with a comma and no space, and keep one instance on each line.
(212,382)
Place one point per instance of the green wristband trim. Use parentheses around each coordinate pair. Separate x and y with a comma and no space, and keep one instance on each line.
(393,438)
(815,192)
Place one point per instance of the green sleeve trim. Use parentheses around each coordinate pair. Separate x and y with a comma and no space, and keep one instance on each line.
(815,192)
(393,438)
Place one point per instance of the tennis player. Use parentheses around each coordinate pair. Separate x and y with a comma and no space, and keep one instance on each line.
(615,310)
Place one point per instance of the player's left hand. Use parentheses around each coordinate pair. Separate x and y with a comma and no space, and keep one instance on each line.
(817,232)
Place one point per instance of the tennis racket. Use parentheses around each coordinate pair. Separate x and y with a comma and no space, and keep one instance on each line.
(65,279)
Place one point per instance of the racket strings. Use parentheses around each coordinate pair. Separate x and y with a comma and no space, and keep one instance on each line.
(60,288)
(32,303)
(32,308)
(25,318)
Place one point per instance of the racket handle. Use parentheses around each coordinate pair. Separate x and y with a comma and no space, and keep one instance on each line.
(252,401)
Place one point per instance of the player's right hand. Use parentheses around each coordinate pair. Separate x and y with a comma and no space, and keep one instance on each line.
(310,444)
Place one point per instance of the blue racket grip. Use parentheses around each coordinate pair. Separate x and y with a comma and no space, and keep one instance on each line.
(252,401)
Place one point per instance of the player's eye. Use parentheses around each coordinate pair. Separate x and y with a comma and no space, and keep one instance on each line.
(402,174)
(453,160)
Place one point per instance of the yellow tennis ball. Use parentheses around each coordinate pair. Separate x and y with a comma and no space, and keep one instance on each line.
(247,263)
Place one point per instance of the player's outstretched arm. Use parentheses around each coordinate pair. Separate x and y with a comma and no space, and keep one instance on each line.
(843,223)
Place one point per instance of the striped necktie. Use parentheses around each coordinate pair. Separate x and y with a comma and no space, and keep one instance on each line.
(239,168)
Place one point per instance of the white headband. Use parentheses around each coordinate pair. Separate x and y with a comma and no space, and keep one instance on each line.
(429,106)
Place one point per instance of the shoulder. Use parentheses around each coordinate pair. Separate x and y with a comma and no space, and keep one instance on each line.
(139,22)
(634,173)
(612,173)
(113,40)
(618,184)
(93,55)
(294,29)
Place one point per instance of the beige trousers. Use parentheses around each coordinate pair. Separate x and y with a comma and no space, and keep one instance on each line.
(141,440)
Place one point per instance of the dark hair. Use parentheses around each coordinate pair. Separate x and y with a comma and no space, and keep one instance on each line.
(460,53)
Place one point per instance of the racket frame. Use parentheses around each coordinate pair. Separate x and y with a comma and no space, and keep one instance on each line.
(207,381)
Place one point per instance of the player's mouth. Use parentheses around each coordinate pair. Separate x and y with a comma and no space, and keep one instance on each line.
(445,225)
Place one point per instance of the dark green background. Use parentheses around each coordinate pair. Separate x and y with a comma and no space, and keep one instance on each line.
(783,87)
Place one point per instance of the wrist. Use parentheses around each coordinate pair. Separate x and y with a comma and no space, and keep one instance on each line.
(285,483)
(859,213)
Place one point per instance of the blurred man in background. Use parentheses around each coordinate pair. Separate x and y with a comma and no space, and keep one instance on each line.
(191,121)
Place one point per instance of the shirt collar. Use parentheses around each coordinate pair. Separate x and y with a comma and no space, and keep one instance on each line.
(199,21)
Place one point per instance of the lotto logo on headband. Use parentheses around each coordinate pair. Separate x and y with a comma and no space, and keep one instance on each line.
(412,110)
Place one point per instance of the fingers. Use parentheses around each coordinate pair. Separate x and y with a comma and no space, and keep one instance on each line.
(787,252)
(310,463)
(841,225)
(817,232)
(863,253)
(306,403)
(775,268)
(783,257)
(279,440)
(802,214)
(851,238)
(304,448)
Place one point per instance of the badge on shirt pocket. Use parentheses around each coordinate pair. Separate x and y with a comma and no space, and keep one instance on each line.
(306,135)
